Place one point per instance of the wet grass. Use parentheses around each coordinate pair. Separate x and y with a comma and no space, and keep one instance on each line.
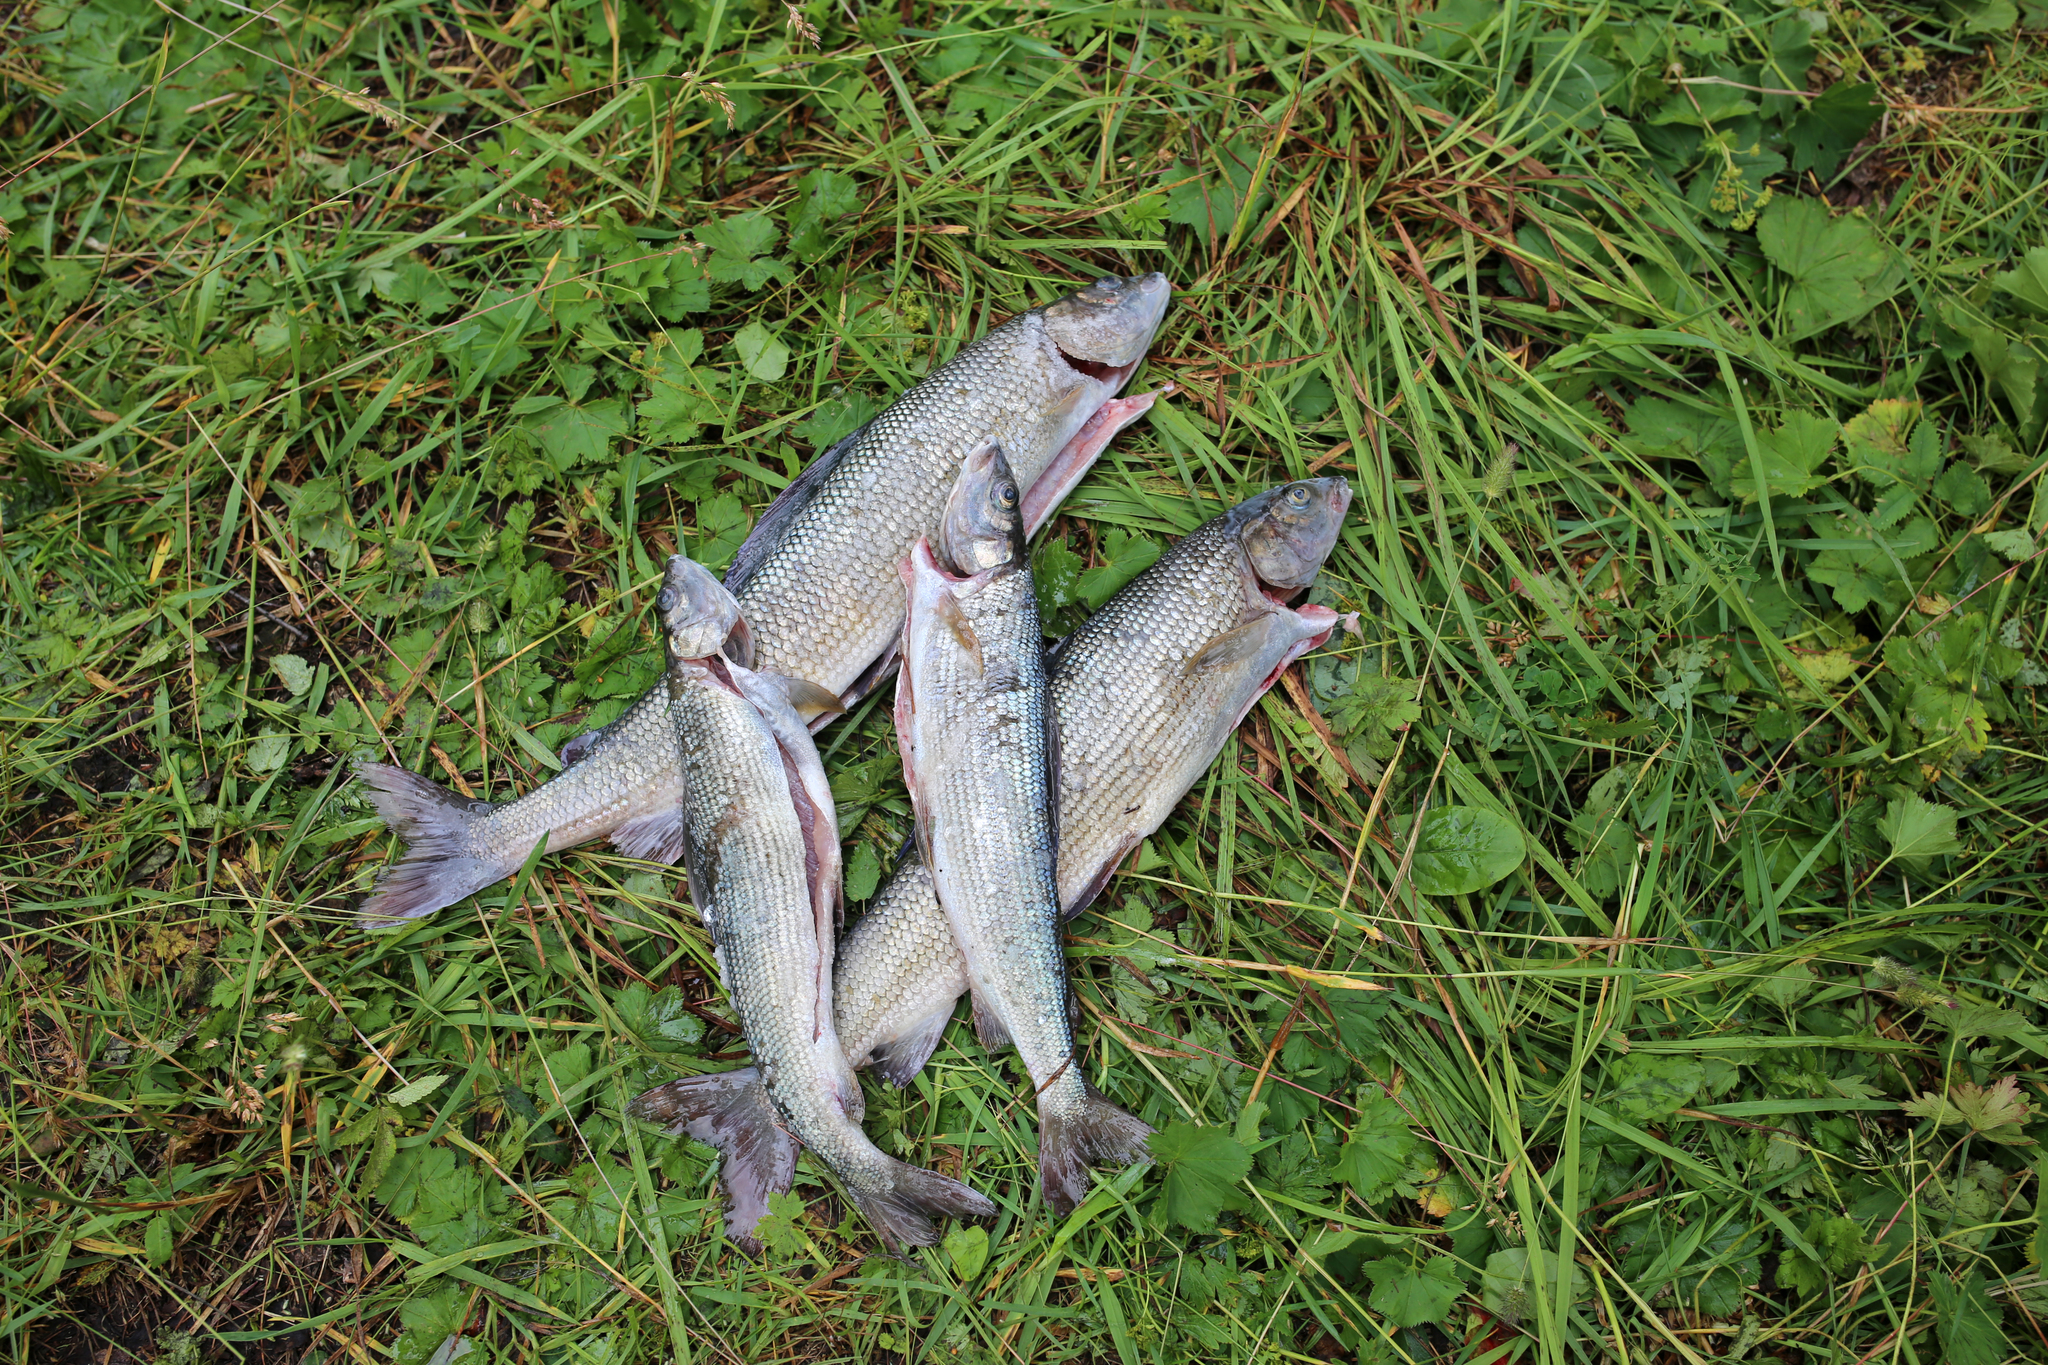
(364,365)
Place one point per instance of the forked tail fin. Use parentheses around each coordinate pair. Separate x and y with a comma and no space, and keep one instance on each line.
(731,1111)
(441,863)
(1068,1144)
(904,1213)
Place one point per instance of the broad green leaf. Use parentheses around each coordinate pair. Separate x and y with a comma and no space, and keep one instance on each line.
(157,1241)
(1464,849)
(1507,1286)
(412,1092)
(1125,555)
(412,283)
(1887,443)
(762,354)
(1964,490)
(1411,1294)
(1835,121)
(1382,1155)
(1792,457)
(722,524)
(967,1249)
(2011,545)
(572,434)
(742,235)
(1918,828)
(269,752)
(1199,1171)
(1837,269)
(781,1229)
(1649,1087)
(863,872)
(2027,281)
(1997,1112)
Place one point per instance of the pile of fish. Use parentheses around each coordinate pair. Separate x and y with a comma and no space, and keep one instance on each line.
(1032,772)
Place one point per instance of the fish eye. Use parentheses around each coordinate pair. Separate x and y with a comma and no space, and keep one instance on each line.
(665,600)
(1006,495)
(1109,284)
(1297,496)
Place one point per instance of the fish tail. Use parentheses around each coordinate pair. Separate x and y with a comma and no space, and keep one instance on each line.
(442,863)
(903,1214)
(731,1111)
(1068,1144)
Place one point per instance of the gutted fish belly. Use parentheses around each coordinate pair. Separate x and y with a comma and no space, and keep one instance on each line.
(762,847)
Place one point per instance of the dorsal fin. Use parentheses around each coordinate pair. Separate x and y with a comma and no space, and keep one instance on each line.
(788,506)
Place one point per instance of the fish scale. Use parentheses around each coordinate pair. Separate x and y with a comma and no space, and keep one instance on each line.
(762,846)
(972,706)
(817,581)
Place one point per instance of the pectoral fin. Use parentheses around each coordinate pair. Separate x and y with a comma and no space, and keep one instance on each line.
(1233,646)
(809,700)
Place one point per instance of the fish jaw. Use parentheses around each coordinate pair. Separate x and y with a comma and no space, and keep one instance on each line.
(1079,454)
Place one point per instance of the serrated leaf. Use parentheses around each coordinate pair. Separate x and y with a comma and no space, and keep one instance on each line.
(967,1249)
(722,524)
(415,1091)
(742,235)
(1837,269)
(1652,1086)
(295,673)
(1917,828)
(2027,281)
(1410,1294)
(1997,1112)
(2010,545)
(1831,124)
(1792,457)
(1125,555)
(863,872)
(1966,1318)
(1382,1155)
(268,753)
(1964,490)
(781,1229)
(762,354)
(1464,849)
(1199,1171)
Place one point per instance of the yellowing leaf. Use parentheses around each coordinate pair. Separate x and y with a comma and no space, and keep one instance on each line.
(1997,1112)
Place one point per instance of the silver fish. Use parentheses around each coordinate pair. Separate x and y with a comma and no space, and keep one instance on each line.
(762,848)
(973,718)
(1144,700)
(817,578)
(627,787)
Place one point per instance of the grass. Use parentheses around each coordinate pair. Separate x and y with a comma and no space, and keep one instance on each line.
(365,363)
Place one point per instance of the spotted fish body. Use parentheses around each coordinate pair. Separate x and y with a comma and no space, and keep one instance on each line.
(817,582)
(817,578)
(973,709)
(1145,694)
(762,848)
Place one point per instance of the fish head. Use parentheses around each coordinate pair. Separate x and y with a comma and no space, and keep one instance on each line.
(697,613)
(983,525)
(1105,329)
(1288,533)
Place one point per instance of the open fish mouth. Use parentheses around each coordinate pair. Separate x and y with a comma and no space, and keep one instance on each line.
(1116,376)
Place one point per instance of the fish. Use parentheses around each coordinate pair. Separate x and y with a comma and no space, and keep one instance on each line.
(1143,705)
(974,723)
(817,577)
(626,788)
(761,850)
(817,583)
